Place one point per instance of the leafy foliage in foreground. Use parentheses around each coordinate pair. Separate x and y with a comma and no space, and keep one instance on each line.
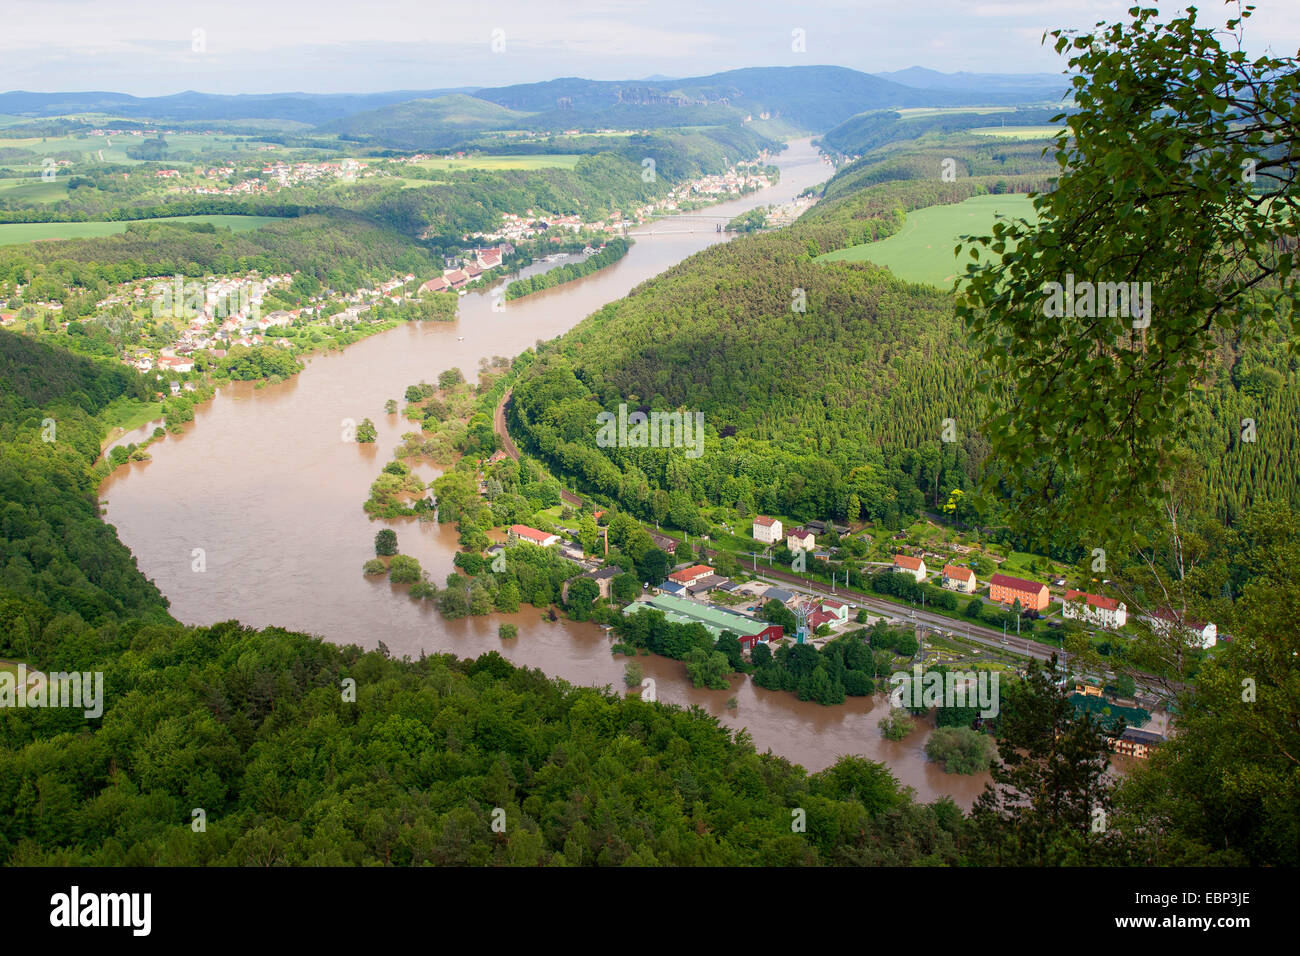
(1177,172)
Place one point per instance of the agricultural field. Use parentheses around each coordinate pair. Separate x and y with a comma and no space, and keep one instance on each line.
(34,189)
(182,147)
(922,251)
(916,112)
(1016,132)
(18,232)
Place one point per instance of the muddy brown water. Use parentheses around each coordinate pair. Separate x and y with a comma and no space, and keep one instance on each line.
(264,484)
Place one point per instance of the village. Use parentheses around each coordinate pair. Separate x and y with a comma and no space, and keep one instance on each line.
(706,190)
(741,605)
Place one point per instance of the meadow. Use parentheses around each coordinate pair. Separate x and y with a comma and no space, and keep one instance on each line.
(18,232)
(34,189)
(922,251)
(182,147)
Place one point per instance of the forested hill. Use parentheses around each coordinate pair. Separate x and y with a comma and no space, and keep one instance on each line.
(833,410)
(837,410)
(56,555)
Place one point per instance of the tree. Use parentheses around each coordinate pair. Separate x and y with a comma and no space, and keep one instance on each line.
(654,566)
(1222,791)
(403,569)
(374,566)
(366,433)
(583,594)
(632,674)
(588,534)
(507,631)
(624,587)
(896,724)
(729,646)
(386,542)
(777,613)
(858,683)
(1177,172)
(1049,786)
(708,668)
(960,749)
(507,597)
(453,602)
(683,552)
(726,565)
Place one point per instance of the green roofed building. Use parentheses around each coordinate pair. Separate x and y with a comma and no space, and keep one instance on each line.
(715,619)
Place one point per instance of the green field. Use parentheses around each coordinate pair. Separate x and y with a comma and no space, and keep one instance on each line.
(922,250)
(1016,132)
(183,148)
(547,161)
(34,189)
(18,232)
(916,112)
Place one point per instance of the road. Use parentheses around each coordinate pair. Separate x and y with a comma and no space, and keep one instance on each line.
(980,635)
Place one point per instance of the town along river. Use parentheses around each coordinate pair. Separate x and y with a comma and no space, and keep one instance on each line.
(263,482)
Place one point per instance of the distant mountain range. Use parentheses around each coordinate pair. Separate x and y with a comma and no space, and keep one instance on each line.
(918,77)
(812,98)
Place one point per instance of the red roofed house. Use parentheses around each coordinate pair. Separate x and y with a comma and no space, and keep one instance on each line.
(176,363)
(801,538)
(1094,608)
(688,576)
(837,609)
(455,278)
(1008,590)
(473,270)
(910,565)
(819,617)
(521,532)
(436,285)
(959,579)
(489,258)
(767,530)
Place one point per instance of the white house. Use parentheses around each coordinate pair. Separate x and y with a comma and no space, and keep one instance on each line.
(801,539)
(1201,633)
(521,532)
(910,565)
(1095,609)
(767,530)
(959,579)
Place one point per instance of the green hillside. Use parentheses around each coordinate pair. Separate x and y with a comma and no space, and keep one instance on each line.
(838,410)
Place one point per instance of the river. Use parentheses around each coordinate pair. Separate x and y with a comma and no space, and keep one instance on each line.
(265,485)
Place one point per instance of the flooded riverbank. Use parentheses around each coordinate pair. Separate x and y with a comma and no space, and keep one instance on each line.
(266,484)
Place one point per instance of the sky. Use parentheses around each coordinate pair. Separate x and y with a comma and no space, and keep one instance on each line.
(155,47)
